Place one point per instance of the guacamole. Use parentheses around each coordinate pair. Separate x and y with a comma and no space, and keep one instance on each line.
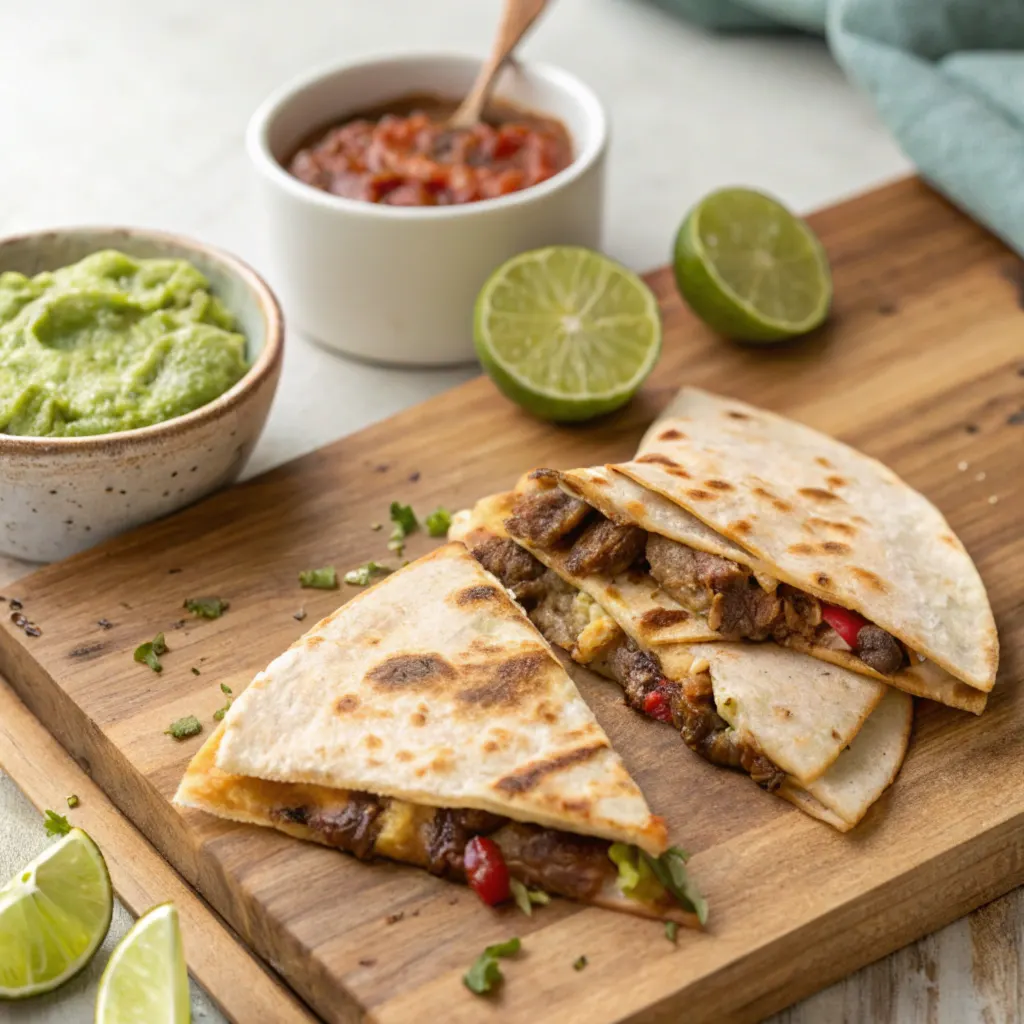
(111,343)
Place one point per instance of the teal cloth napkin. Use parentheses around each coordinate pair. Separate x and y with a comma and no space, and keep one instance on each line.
(947,77)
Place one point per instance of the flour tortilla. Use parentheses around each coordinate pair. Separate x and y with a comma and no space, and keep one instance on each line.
(801,713)
(827,519)
(434,688)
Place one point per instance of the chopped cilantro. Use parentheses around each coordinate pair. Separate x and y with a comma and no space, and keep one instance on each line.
(56,824)
(149,652)
(438,522)
(72,801)
(526,898)
(206,607)
(579,963)
(320,579)
(671,931)
(485,972)
(224,688)
(221,712)
(183,728)
(405,523)
(362,576)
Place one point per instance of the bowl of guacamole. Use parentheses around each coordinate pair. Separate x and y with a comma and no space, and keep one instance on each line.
(136,373)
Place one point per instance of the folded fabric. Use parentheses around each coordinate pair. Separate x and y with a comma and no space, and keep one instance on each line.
(947,78)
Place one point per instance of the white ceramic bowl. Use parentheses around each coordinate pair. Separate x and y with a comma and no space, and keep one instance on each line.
(397,284)
(60,495)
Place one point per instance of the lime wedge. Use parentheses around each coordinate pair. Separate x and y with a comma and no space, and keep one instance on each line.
(146,980)
(566,333)
(53,916)
(750,269)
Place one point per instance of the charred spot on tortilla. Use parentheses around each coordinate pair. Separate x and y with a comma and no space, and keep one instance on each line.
(733,414)
(870,579)
(740,526)
(508,682)
(491,747)
(314,641)
(405,755)
(532,775)
(835,735)
(473,595)
(347,702)
(782,712)
(671,434)
(834,547)
(836,481)
(823,462)
(800,549)
(812,524)
(659,460)
(443,761)
(482,645)
(818,494)
(411,670)
(662,618)
(823,579)
(371,742)
(719,485)
(418,718)
(548,475)
(699,494)
(948,538)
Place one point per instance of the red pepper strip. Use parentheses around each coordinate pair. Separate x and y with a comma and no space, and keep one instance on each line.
(656,705)
(486,870)
(846,623)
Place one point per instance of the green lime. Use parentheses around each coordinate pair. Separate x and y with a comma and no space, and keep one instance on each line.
(566,333)
(750,269)
(146,980)
(54,914)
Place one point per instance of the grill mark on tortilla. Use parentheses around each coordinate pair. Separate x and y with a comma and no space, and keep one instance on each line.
(719,485)
(778,503)
(662,618)
(473,595)
(700,495)
(508,682)
(345,703)
(949,539)
(835,481)
(835,734)
(411,670)
(823,579)
(800,549)
(404,755)
(823,462)
(418,719)
(671,467)
(371,742)
(834,547)
(737,415)
(740,526)
(532,775)
(671,435)
(813,523)
(818,494)
(870,579)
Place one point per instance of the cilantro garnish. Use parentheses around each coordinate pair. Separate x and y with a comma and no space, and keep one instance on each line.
(149,652)
(362,576)
(579,963)
(56,824)
(221,712)
(320,579)
(206,607)
(72,801)
(485,972)
(526,898)
(405,523)
(671,931)
(438,522)
(183,728)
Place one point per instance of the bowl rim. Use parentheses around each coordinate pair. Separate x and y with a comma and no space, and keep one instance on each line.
(571,86)
(265,365)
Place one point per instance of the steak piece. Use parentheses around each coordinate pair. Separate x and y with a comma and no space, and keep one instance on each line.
(545,517)
(718,587)
(879,650)
(514,566)
(634,670)
(448,834)
(605,547)
(353,827)
(557,862)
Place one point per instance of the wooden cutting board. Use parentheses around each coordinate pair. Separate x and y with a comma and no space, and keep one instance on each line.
(922,366)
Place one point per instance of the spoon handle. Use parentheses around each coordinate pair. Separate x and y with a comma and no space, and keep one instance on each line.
(517,17)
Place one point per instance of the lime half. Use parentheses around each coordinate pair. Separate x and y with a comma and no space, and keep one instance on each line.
(146,980)
(750,269)
(566,333)
(54,914)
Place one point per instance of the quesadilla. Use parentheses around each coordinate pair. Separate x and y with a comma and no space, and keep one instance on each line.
(428,721)
(796,726)
(773,529)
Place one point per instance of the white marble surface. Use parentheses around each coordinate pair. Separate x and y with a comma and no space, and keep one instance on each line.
(120,112)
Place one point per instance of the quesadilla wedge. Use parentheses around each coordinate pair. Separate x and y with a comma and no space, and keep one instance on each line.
(791,534)
(793,724)
(428,721)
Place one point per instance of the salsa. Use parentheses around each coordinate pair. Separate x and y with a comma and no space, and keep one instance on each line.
(111,343)
(407,156)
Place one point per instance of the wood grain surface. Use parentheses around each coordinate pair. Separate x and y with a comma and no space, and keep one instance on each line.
(921,366)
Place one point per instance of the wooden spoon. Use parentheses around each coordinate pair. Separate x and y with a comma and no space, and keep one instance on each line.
(517,17)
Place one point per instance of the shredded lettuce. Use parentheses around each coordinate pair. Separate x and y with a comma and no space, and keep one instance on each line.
(649,879)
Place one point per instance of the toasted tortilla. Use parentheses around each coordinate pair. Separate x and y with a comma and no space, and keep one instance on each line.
(801,713)
(434,688)
(827,519)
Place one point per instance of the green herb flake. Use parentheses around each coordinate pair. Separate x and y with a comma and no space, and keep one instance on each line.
(149,652)
(72,801)
(183,728)
(363,576)
(206,607)
(319,579)
(405,523)
(527,898)
(671,931)
(56,824)
(579,963)
(649,879)
(438,522)
(485,973)
(224,688)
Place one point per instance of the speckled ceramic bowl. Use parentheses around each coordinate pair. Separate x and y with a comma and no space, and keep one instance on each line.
(60,495)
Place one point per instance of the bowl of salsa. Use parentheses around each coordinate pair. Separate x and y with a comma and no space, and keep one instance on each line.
(385,221)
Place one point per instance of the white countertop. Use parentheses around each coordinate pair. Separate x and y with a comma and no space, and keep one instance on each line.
(120,112)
